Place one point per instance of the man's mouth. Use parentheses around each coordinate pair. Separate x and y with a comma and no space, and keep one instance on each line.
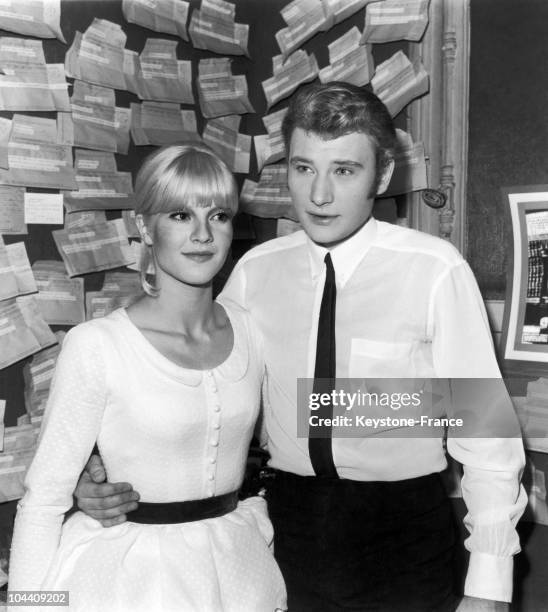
(318,219)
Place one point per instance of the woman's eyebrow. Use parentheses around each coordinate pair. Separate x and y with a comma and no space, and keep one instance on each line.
(182,208)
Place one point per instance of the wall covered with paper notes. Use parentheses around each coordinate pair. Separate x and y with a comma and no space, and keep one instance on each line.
(88,88)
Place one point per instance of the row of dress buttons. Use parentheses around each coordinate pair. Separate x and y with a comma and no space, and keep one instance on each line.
(216,408)
(214,440)
(213,383)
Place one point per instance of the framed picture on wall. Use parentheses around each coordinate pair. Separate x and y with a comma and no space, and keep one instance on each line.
(525,326)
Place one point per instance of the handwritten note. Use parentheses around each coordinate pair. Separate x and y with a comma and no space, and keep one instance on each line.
(222,93)
(213,28)
(27,83)
(395,20)
(397,82)
(161,123)
(269,198)
(40,18)
(222,136)
(270,148)
(349,60)
(287,76)
(167,16)
(12,210)
(409,166)
(97,55)
(339,10)
(304,18)
(39,153)
(44,208)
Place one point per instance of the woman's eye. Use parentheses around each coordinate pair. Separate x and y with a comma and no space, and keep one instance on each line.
(221,216)
(179,216)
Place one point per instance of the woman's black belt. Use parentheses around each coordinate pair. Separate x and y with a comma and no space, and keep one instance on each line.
(185,511)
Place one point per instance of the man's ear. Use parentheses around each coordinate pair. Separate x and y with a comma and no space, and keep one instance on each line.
(386,176)
(145,236)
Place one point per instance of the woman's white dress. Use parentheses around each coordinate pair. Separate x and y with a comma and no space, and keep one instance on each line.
(175,434)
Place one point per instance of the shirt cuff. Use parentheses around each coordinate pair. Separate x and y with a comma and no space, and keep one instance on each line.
(489,577)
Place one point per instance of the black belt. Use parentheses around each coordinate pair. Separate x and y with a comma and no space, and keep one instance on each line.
(184,512)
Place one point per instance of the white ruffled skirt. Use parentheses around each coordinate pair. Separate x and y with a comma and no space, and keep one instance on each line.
(223,564)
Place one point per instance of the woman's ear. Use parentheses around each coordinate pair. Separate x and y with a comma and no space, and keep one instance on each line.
(145,236)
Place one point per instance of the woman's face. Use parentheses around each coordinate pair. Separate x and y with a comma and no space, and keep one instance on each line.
(190,244)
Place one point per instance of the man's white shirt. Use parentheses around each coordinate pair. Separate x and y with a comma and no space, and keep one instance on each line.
(408,306)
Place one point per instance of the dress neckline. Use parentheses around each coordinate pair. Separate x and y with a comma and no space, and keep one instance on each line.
(232,368)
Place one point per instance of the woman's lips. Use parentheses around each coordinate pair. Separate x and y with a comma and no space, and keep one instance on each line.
(199,256)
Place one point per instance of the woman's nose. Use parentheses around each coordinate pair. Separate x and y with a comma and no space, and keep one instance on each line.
(201,232)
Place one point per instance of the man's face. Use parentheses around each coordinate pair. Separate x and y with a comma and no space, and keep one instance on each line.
(331,183)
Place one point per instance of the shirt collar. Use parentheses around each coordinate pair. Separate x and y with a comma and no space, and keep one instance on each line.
(345,256)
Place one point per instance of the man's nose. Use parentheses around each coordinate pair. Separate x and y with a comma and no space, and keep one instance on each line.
(322,192)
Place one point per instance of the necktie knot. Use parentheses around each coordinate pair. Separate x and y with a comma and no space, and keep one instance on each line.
(329,269)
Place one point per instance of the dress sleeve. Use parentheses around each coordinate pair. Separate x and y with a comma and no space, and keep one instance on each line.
(69,430)
(462,348)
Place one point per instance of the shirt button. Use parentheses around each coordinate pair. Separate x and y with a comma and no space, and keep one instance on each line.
(210,373)
(214,442)
(212,460)
(216,426)
(211,477)
(210,494)
(217,408)
(214,389)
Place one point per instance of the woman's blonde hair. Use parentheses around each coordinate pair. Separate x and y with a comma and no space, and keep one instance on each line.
(186,174)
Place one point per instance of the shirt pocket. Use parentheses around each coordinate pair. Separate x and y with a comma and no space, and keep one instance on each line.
(377,359)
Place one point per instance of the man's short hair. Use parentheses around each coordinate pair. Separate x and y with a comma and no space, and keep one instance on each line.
(336,109)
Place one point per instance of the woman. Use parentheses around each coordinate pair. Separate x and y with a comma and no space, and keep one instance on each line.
(169,389)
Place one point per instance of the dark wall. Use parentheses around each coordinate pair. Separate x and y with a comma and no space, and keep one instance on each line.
(508,128)
(508,146)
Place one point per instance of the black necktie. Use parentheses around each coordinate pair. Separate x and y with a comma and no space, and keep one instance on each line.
(321,454)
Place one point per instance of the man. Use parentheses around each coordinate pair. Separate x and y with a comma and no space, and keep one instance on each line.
(364,523)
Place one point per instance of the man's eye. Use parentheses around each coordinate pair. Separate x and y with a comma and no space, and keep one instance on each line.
(302,169)
(179,216)
(345,171)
